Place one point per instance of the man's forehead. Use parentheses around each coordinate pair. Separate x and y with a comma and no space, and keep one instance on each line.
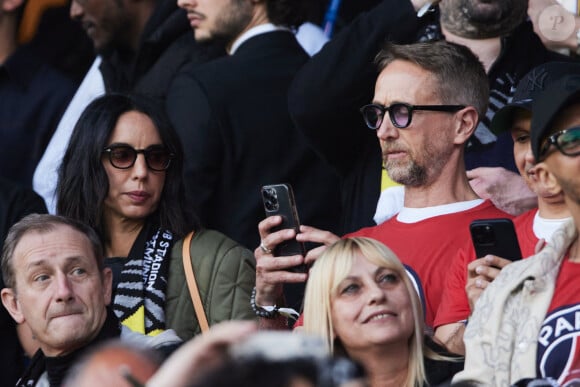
(60,243)
(402,80)
(38,260)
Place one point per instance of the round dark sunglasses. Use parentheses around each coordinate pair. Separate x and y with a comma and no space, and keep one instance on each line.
(400,114)
(157,157)
(566,141)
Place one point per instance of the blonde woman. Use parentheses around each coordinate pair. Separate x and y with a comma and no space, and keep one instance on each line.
(361,301)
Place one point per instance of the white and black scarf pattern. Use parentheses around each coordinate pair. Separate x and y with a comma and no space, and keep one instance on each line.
(140,297)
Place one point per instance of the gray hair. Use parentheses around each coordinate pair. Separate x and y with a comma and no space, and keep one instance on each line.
(459,75)
(43,223)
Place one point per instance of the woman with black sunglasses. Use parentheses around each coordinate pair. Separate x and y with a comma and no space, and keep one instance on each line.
(121,174)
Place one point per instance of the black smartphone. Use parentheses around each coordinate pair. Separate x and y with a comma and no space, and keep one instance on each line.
(495,236)
(279,200)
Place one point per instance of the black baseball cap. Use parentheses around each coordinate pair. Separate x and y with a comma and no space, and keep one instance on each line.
(532,84)
(548,104)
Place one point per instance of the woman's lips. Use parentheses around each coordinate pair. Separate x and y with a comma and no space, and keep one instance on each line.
(138,196)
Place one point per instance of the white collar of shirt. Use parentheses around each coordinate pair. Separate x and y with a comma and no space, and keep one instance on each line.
(545,228)
(257,30)
(414,215)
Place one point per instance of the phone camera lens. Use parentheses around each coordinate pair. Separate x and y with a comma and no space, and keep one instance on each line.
(270,199)
(484,235)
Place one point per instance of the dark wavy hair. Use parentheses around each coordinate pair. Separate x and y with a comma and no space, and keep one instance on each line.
(288,13)
(83,184)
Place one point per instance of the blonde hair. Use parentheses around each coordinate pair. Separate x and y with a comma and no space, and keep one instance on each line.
(331,268)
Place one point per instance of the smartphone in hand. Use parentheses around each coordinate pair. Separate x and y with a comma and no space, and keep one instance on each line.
(495,236)
(279,200)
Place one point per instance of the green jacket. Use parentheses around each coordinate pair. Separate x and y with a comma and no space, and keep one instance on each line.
(225,273)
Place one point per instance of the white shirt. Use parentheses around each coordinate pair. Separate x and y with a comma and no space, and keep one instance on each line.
(254,31)
(544,228)
(46,173)
(309,36)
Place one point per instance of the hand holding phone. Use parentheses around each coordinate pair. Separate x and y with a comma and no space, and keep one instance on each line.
(490,236)
(279,200)
(495,236)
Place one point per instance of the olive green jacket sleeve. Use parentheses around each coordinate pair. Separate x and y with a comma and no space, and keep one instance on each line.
(225,273)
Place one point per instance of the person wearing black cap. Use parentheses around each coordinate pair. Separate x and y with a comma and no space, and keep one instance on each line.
(470,276)
(526,324)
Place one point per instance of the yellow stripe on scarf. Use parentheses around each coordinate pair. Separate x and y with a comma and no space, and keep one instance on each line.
(136,323)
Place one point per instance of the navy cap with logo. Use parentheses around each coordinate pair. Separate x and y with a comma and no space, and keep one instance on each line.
(532,84)
(548,104)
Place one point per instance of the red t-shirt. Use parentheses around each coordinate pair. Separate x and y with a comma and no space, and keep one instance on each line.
(455,305)
(558,353)
(429,246)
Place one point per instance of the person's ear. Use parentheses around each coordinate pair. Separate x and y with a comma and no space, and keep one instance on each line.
(546,179)
(107,276)
(11,304)
(465,123)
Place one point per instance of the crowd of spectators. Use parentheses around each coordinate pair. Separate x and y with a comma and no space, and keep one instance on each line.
(137,137)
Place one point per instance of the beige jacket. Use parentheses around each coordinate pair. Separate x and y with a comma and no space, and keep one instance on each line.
(502,335)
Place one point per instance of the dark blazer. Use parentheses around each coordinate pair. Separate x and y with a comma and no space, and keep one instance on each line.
(232,117)
(166,46)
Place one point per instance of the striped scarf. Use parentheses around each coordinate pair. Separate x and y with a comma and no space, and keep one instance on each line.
(140,298)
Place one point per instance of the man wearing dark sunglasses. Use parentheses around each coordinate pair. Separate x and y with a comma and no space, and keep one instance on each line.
(434,95)
(328,90)
(531,309)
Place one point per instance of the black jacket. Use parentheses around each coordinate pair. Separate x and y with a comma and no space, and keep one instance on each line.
(326,95)
(166,45)
(57,367)
(33,97)
(232,117)
(15,203)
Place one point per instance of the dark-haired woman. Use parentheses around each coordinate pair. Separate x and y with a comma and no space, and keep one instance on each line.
(121,174)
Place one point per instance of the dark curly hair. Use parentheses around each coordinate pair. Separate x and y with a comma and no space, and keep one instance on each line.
(83,184)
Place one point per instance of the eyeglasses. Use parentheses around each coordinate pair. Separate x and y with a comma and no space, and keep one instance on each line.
(566,141)
(401,114)
(157,157)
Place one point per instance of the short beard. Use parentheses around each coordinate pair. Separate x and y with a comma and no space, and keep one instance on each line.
(461,18)
(231,24)
(411,175)
(434,156)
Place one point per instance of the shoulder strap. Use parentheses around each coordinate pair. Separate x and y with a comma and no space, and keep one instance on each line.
(192,284)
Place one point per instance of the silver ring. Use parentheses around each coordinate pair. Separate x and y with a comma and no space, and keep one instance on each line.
(265,249)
